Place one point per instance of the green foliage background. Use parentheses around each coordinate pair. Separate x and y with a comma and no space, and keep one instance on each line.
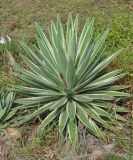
(18,17)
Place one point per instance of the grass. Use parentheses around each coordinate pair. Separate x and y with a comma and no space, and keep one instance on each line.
(114,157)
(18,17)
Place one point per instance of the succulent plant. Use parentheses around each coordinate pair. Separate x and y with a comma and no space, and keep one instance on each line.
(68,80)
(6,111)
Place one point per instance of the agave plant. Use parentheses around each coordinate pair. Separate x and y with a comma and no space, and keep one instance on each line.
(68,81)
(6,101)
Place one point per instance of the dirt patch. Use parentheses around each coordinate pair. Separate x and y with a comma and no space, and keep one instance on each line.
(3,150)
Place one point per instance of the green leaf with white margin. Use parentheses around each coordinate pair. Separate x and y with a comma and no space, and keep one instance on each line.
(101,104)
(50,106)
(82,98)
(62,120)
(83,32)
(96,129)
(73,40)
(32,55)
(117,87)
(86,67)
(113,88)
(108,75)
(99,44)
(34,100)
(37,112)
(36,78)
(59,103)
(46,56)
(81,85)
(105,63)
(46,121)
(60,31)
(70,73)
(58,50)
(103,83)
(10,114)
(96,116)
(71,47)
(71,109)
(1,107)
(83,47)
(36,91)
(9,99)
(97,47)
(100,67)
(46,42)
(69,28)
(102,112)
(92,74)
(114,93)
(2,113)
(76,31)
(83,117)
(96,96)
(105,95)
(3,98)
(72,130)
(29,80)
(109,106)
(42,71)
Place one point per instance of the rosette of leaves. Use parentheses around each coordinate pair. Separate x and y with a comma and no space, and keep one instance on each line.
(6,111)
(68,81)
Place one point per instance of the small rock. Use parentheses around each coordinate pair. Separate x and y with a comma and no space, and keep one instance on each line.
(101,152)
(12,25)
(3,150)
(4,39)
(14,134)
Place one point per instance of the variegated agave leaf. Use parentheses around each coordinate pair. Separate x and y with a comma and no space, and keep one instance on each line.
(6,110)
(67,79)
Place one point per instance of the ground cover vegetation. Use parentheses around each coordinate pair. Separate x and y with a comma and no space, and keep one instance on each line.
(53,97)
